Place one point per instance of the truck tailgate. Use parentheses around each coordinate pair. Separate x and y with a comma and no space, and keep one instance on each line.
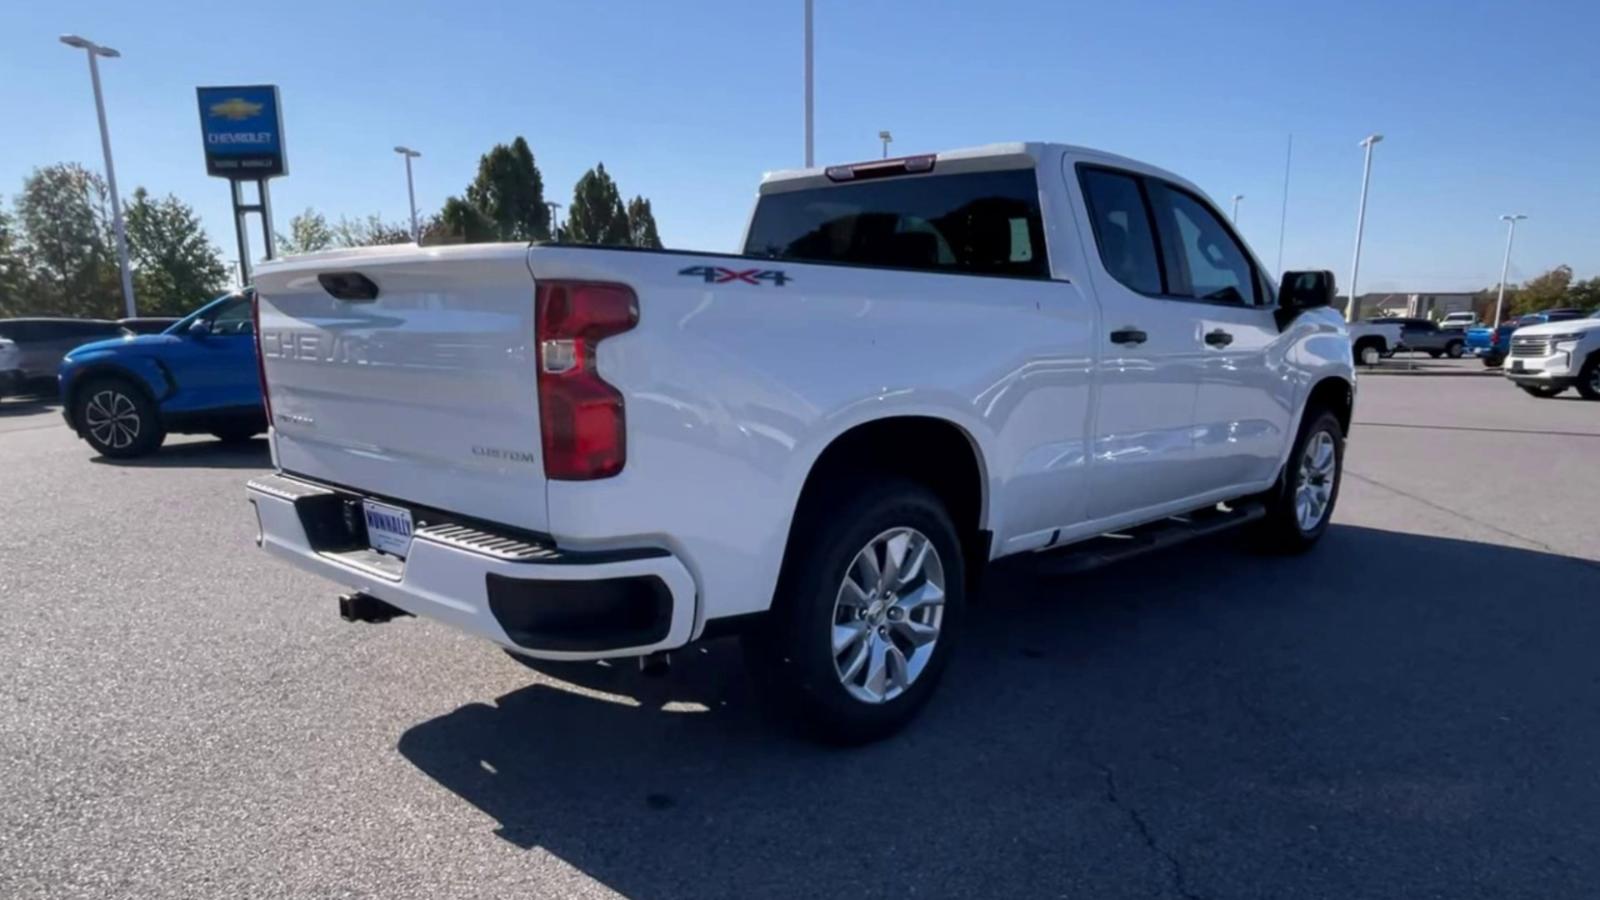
(426,393)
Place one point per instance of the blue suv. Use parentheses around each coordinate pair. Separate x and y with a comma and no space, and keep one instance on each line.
(124,396)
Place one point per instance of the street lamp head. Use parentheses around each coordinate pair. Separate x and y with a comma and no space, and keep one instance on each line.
(83,43)
(1237,197)
(1513,218)
(406,151)
(885,136)
(1371,139)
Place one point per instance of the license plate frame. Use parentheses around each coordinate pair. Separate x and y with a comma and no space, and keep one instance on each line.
(389,528)
(1516,365)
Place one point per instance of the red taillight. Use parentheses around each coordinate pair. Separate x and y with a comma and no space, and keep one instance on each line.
(261,365)
(581,420)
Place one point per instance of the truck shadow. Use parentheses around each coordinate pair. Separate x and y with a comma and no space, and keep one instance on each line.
(200,454)
(1122,733)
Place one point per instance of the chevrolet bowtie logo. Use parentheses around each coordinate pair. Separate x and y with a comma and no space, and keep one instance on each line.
(236,108)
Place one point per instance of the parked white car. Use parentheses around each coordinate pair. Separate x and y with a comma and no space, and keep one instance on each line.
(1374,339)
(916,366)
(1547,359)
(1459,321)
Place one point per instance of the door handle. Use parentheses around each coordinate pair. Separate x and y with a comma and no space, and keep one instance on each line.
(1128,336)
(1219,338)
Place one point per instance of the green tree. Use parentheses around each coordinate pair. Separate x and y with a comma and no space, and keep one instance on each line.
(13,275)
(460,222)
(1582,294)
(65,223)
(1543,292)
(596,215)
(175,266)
(308,233)
(370,231)
(509,191)
(642,225)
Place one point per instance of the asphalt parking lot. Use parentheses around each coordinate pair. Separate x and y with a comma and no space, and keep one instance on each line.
(1409,711)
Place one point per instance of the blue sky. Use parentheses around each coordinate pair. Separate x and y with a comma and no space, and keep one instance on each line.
(1486,107)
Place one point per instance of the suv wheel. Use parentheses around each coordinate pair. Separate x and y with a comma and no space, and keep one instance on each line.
(117,419)
(1300,506)
(866,612)
(1589,378)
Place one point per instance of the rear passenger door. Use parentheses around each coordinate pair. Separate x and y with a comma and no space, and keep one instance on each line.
(1147,359)
(1245,399)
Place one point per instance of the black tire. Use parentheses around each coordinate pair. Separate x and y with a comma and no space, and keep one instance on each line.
(792,654)
(1280,531)
(1454,349)
(117,419)
(1542,391)
(1493,362)
(1368,352)
(1589,378)
(1435,353)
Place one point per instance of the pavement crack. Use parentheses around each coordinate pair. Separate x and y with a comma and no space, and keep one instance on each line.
(1439,507)
(1179,881)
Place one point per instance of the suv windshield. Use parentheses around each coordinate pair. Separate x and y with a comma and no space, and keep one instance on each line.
(976,223)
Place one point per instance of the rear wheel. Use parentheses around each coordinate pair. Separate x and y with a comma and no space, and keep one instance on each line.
(1368,353)
(1454,349)
(1493,362)
(117,419)
(1542,391)
(1300,506)
(866,612)
(1589,378)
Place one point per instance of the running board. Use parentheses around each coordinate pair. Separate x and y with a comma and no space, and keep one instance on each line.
(1108,549)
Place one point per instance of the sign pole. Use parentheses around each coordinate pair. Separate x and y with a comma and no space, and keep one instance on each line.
(239,228)
(266,217)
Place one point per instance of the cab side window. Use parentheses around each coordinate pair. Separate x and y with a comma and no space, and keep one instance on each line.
(1122,229)
(1205,262)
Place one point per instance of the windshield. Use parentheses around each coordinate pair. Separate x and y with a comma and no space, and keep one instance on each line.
(182,325)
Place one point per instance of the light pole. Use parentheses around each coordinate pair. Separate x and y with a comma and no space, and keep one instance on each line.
(810,158)
(887,139)
(411,191)
(96,51)
(1361,221)
(553,218)
(1236,199)
(1505,266)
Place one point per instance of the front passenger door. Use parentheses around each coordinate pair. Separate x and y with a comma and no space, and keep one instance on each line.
(1245,401)
(217,370)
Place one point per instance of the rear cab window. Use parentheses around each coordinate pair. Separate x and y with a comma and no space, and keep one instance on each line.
(970,223)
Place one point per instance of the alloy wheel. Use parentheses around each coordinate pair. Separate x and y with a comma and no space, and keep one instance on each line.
(112,419)
(887,614)
(1314,481)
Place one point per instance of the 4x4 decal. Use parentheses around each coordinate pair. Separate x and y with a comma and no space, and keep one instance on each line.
(719,275)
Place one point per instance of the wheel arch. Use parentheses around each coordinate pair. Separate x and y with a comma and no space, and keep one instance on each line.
(948,459)
(1335,394)
(99,370)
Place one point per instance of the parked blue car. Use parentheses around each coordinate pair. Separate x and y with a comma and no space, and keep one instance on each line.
(125,395)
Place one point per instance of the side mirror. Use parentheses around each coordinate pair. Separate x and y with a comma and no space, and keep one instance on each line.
(199,329)
(1306,290)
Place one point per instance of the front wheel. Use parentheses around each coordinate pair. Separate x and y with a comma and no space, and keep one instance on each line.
(1300,506)
(117,419)
(1454,349)
(1589,378)
(1542,391)
(866,612)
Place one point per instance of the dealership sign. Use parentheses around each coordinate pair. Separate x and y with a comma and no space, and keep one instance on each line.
(243,131)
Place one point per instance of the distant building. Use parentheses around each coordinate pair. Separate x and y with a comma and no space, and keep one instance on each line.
(1413,306)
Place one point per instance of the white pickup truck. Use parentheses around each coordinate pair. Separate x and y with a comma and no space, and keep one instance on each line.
(915,367)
